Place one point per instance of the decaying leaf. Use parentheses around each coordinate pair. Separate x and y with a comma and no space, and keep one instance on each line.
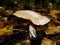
(8,12)
(8,30)
(53,13)
(23,42)
(47,41)
(53,30)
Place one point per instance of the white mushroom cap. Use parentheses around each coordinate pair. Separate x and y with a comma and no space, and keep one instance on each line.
(36,18)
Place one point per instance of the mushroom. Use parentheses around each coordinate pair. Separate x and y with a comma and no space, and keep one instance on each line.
(34,17)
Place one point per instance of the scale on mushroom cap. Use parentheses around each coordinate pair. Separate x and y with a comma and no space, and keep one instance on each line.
(34,17)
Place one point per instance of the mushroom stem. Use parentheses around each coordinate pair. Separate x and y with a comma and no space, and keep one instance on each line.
(32,32)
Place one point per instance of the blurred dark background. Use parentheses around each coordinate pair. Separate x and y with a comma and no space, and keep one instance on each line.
(28,4)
